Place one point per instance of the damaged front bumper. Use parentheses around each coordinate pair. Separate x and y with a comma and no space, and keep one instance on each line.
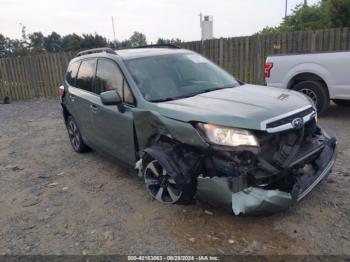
(263,199)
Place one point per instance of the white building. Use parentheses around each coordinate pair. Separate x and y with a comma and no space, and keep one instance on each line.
(206,23)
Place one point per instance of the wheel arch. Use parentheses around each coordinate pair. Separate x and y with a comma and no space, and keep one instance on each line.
(150,126)
(65,113)
(307,76)
(309,72)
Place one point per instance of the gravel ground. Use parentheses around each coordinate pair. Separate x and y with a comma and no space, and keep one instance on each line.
(55,201)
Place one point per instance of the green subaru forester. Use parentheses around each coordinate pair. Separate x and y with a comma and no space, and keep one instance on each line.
(193,131)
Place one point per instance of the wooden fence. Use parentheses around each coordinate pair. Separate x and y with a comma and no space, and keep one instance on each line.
(32,76)
(244,57)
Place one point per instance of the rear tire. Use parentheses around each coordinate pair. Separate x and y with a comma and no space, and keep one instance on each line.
(75,137)
(341,102)
(317,91)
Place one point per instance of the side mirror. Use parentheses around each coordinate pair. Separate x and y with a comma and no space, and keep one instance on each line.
(112,98)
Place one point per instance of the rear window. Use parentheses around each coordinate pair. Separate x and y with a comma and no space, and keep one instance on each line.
(72,73)
(86,75)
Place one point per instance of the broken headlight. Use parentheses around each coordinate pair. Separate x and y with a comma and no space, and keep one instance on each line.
(227,136)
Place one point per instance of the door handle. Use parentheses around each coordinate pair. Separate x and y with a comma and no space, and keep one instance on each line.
(94,108)
(71,97)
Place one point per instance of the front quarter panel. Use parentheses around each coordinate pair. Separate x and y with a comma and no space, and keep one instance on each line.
(150,124)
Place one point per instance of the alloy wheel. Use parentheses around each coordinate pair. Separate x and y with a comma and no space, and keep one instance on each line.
(74,135)
(310,93)
(160,185)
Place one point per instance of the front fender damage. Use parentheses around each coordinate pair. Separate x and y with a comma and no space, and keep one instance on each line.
(286,169)
(255,199)
(175,144)
(150,125)
(181,164)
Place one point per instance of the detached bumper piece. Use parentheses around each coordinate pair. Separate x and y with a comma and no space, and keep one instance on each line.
(260,201)
(271,184)
(325,163)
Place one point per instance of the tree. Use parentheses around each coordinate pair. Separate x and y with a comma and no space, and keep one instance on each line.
(37,42)
(17,47)
(23,31)
(137,39)
(92,41)
(3,46)
(305,18)
(53,43)
(325,14)
(14,47)
(162,41)
(71,42)
(338,12)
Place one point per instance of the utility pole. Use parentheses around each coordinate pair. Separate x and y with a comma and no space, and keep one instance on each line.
(115,40)
(286,9)
(305,2)
(200,23)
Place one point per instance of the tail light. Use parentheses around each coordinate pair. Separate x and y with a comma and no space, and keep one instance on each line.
(268,67)
(61,91)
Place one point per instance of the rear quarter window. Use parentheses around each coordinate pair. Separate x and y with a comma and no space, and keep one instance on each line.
(72,73)
(86,75)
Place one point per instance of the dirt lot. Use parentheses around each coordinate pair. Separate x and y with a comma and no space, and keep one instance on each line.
(54,201)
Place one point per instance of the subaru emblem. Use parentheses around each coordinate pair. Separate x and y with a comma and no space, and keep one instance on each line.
(283,97)
(298,123)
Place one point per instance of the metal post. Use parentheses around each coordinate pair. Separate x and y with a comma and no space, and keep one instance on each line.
(286,9)
(221,52)
(113,30)
(200,24)
(258,59)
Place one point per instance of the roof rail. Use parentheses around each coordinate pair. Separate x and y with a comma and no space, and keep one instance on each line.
(159,45)
(97,50)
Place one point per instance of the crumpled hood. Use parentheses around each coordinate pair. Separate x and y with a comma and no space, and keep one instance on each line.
(246,106)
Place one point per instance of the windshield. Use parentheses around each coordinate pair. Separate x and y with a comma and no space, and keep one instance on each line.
(169,77)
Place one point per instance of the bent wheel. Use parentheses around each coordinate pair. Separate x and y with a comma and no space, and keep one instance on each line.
(160,185)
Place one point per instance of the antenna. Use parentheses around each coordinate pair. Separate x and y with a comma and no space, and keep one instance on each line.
(115,40)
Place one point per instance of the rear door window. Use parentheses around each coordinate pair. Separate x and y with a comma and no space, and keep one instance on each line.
(72,73)
(86,75)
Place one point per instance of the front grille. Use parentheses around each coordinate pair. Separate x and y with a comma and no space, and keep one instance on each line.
(289,119)
(272,143)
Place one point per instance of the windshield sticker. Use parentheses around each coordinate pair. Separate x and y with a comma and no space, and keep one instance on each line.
(196,59)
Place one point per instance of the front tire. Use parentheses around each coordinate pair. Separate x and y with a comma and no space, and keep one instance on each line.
(75,137)
(317,91)
(341,102)
(162,187)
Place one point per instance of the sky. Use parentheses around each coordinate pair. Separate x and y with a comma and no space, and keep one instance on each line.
(154,18)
